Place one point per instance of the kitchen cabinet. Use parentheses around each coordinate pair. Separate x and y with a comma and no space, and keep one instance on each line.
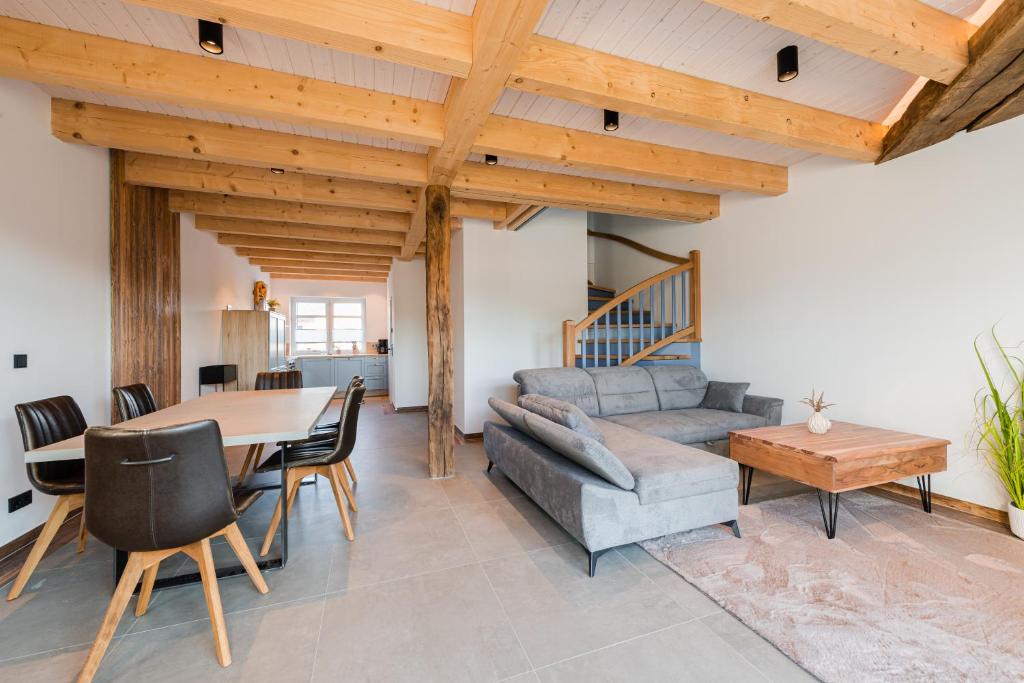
(338,371)
(317,372)
(345,369)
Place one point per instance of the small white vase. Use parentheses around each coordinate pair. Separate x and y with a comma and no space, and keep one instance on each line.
(817,423)
(1016,520)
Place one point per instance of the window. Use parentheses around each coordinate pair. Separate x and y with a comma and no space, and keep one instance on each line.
(324,325)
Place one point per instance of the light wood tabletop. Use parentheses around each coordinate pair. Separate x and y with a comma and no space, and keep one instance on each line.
(245,417)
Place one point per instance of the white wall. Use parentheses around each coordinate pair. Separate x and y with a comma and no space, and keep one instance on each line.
(55,279)
(870,283)
(517,288)
(375,294)
(212,277)
(407,366)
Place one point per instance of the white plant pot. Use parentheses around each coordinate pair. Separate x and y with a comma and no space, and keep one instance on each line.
(818,423)
(1016,520)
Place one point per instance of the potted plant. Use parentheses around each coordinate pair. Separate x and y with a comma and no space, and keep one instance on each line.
(1000,407)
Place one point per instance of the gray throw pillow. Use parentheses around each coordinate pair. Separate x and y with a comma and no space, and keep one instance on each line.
(512,414)
(725,396)
(563,413)
(582,450)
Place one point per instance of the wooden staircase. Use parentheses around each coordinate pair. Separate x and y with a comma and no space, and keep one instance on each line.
(656,321)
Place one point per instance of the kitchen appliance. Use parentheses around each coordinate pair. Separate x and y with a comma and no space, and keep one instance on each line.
(382,346)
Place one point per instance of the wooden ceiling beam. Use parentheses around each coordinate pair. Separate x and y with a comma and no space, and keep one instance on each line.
(319,257)
(503,183)
(282,264)
(520,139)
(417,228)
(556,69)
(904,34)
(324,271)
(341,278)
(238,226)
(399,31)
(228,206)
(174,136)
(501,32)
(525,217)
(56,56)
(293,244)
(995,72)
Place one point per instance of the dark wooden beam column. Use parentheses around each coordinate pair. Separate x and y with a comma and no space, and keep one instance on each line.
(441,373)
(145,287)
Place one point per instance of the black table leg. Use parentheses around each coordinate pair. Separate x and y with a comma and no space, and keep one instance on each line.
(924,487)
(832,516)
(746,479)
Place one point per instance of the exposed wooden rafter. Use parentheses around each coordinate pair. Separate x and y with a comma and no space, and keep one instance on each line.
(355,272)
(993,77)
(570,72)
(341,278)
(905,34)
(271,253)
(399,31)
(239,226)
(292,244)
(280,264)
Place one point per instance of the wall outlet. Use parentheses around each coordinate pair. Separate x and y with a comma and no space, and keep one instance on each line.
(20,360)
(19,501)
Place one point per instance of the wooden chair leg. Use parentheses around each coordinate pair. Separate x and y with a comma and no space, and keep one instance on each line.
(82,534)
(148,579)
(276,519)
(237,542)
(123,593)
(248,462)
(344,487)
(57,516)
(351,471)
(293,493)
(208,573)
(332,475)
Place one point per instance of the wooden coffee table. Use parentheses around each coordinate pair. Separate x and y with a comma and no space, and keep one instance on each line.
(849,457)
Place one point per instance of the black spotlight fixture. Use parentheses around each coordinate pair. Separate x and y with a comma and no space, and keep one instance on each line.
(787,63)
(211,36)
(611,120)
(491,159)
(277,171)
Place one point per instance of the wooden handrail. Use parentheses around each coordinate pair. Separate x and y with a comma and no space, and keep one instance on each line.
(590,319)
(639,247)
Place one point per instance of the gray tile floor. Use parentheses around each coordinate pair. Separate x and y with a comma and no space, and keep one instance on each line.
(456,580)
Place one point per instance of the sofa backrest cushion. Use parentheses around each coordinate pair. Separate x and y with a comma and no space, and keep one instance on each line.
(678,386)
(561,412)
(725,396)
(510,413)
(571,385)
(624,390)
(582,450)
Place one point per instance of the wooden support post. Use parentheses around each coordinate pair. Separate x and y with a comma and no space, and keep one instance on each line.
(568,343)
(695,294)
(440,394)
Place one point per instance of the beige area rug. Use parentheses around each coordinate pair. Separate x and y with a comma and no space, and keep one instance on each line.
(898,595)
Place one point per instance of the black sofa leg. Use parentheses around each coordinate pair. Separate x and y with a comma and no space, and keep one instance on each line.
(592,560)
(735,526)
(489,465)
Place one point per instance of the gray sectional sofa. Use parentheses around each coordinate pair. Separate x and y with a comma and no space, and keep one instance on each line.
(622,454)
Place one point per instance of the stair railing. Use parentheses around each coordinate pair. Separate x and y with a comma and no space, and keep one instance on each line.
(650,315)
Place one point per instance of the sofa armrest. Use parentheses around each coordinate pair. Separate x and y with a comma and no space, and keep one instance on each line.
(768,408)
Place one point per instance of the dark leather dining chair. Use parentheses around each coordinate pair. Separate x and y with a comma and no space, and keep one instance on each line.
(43,423)
(133,400)
(154,493)
(265,381)
(328,431)
(326,461)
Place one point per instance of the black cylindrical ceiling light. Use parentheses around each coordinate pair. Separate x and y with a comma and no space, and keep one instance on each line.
(211,36)
(611,120)
(491,159)
(276,171)
(787,63)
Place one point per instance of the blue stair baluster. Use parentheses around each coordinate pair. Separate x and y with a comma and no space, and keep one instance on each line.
(650,291)
(618,333)
(672,286)
(662,303)
(640,303)
(629,325)
(607,351)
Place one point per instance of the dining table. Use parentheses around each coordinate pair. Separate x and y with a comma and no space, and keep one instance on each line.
(245,418)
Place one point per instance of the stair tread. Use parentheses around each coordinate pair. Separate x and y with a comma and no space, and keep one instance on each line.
(653,356)
(591,285)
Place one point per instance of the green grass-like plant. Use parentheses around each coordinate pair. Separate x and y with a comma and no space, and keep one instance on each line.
(1001,419)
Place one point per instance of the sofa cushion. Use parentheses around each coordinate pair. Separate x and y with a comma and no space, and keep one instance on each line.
(572,385)
(561,412)
(664,470)
(721,422)
(582,450)
(725,396)
(678,386)
(510,413)
(674,425)
(624,390)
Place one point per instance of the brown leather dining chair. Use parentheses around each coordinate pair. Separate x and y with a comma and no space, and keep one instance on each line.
(133,400)
(154,493)
(325,461)
(43,423)
(265,381)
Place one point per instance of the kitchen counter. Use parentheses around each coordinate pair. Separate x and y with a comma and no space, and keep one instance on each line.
(339,355)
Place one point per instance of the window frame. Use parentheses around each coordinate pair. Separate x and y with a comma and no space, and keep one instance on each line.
(328,302)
